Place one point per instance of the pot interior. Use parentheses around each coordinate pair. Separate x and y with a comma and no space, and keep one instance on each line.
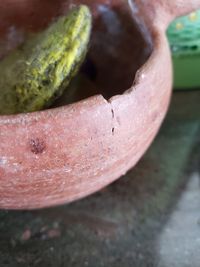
(120,42)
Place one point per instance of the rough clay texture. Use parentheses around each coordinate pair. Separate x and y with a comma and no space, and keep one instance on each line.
(59,155)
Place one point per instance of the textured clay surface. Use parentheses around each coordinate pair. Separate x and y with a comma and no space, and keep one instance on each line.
(60,155)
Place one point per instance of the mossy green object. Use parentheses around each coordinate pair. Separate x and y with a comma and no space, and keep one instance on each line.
(184,38)
(34,75)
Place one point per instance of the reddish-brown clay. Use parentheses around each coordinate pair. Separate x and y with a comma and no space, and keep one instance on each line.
(62,154)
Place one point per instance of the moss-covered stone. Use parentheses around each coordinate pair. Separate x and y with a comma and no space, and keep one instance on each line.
(34,75)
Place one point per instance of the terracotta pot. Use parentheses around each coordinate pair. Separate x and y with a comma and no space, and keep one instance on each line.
(63,154)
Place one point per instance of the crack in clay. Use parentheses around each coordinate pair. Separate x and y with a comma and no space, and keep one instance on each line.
(113,116)
(113,130)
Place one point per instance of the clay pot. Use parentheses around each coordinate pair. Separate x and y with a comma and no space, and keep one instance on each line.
(63,154)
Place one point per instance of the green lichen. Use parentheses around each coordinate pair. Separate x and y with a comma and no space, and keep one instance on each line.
(34,75)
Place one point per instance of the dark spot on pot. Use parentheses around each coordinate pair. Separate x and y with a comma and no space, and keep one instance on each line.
(37,145)
(155,116)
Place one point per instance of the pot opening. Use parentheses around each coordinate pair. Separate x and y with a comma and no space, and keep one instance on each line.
(120,43)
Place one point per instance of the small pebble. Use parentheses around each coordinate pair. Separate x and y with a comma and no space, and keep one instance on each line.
(53,233)
(26,235)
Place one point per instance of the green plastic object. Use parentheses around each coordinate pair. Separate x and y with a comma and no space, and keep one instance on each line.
(184,38)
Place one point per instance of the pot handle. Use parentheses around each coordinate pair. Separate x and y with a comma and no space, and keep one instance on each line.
(162,12)
(177,8)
